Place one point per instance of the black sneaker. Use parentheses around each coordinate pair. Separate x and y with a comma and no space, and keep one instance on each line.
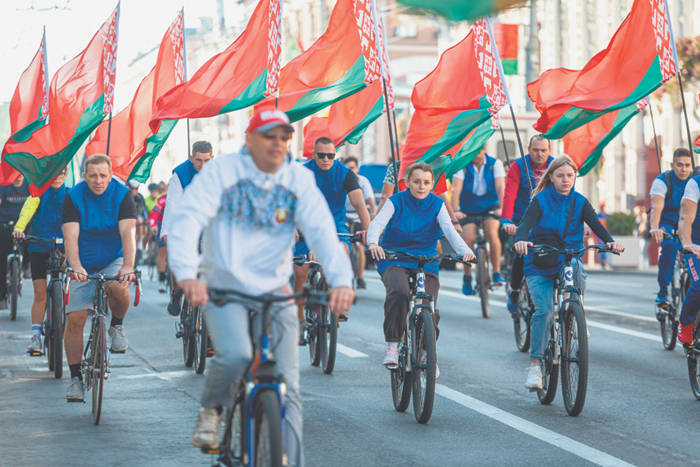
(361,284)
(175,305)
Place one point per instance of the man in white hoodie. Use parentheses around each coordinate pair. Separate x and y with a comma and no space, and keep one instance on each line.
(249,205)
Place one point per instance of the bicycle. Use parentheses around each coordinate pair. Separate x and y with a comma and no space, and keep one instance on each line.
(481,251)
(95,363)
(568,337)
(196,344)
(417,350)
(253,433)
(669,313)
(14,278)
(521,321)
(55,310)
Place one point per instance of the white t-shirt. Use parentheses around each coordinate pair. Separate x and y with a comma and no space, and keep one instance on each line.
(480,188)
(367,192)
(659,188)
(692,191)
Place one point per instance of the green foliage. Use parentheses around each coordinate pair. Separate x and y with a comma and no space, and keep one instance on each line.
(688,49)
(621,224)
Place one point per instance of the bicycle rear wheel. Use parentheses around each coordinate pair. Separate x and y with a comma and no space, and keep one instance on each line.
(401,380)
(188,342)
(483,273)
(56,331)
(200,338)
(330,321)
(574,364)
(424,375)
(669,324)
(268,430)
(98,363)
(521,323)
(312,335)
(14,287)
(694,374)
(551,372)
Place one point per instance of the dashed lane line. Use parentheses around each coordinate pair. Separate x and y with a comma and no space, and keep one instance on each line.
(347,351)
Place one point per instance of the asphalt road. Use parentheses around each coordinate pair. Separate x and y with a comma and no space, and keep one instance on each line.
(639,408)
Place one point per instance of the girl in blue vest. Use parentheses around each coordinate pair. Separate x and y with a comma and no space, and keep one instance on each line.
(47,224)
(413,221)
(544,222)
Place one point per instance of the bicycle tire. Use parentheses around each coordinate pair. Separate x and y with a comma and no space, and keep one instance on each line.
(424,378)
(483,273)
(328,357)
(551,372)
(521,325)
(46,329)
(574,364)
(97,368)
(14,287)
(185,329)
(268,430)
(669,325)
(312,320)
(233,432)
(56,331)
(694,374)
(401,380)
(200,338)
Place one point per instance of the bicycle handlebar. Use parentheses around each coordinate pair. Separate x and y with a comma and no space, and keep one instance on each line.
(392,254)
(33,239)
(351,237)
(535,249)
(70,275)
(313,297)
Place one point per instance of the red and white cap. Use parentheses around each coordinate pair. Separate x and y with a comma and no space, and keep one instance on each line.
(267,119)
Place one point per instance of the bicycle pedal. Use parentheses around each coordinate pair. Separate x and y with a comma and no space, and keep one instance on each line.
(178,335)
(117,351)
(391,367)
(210,451)
(35,354)
(75,400)
(210,353)
(342,318)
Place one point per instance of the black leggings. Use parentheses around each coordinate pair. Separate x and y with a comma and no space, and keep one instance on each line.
(517,273)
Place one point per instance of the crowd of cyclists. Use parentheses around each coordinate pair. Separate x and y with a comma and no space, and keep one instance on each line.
(235,221)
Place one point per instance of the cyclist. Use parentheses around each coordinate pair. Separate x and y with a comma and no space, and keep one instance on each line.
(554,207)
(352,217)
(153,195)
(414,220)
(516,199)
(141,216)
(47,224)
(155,221)
(249,205)
(336,182)
(12,198)
(666,193)
(99,223)
(183,175)
(476,191)
(689,233)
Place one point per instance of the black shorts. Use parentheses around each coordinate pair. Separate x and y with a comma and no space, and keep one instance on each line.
(470,215)
(37,264)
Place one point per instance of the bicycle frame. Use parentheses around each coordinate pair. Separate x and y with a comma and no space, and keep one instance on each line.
(16,255)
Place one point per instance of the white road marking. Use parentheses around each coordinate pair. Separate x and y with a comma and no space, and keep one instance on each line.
(161,375)
(555,439)
(619,313)
(352,353)
(470,298)
(607,282)
(629,332)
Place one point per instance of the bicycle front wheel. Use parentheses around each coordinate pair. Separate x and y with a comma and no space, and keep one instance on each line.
(425,367)
(574,364)
(14,287)
(483,273)
(551,373)
(521,322)
(331,321)
(694,374)
(233,432)
(56,331)
(188,342)
(401,380)
(313,335)
(268,430)
(98,363)
(200,338)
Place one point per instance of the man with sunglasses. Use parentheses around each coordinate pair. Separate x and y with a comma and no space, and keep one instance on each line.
(337,182)
(249,205)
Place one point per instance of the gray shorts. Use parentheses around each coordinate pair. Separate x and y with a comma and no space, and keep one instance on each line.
(82,294)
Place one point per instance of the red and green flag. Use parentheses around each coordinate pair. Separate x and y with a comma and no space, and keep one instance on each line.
(465,90)
(640,57)
(461,10)
(697,141)
(81,94)
(132,145)
(29,107)
(506,38)
(243,74)
(343,61)
(471,146)
(585,144)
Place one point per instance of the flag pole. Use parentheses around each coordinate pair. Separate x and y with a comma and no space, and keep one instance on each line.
(522,153)
(503,138)
(394,155)
(687,125)
(109,132)
(184,62)
(656,142)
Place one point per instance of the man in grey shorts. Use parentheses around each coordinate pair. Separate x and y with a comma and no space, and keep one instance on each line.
(99,223)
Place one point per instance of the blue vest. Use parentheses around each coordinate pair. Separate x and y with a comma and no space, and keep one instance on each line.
(468,201)
(185,173)
(99,242)
(47,223)
(672,207)
(550,226)
(696,223)
(522,201)
(414,229)
(331,182)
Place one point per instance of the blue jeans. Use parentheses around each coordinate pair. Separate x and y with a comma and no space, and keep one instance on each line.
(541,290)
(667,260)
(692,298)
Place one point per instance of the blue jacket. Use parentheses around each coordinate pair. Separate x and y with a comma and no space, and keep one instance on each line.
(522,201)
(331,183)
(471,203)
(414,229)
(672,207)
(550,226)
(99,242)
(47,223)
(185,173)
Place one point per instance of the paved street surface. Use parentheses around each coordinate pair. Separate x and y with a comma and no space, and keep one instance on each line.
(639,409)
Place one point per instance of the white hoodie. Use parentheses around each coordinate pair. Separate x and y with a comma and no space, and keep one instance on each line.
(249,218)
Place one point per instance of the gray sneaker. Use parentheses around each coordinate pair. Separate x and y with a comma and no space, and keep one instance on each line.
(206,431)
(75,390)
(119,341)
(35,346)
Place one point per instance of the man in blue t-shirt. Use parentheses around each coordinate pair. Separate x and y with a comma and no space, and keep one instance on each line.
(12,198)
(665,207)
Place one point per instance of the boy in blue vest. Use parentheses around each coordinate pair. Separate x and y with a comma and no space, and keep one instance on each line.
(689,233)
(336,181)
(476,191)
(183,174)
(666,193)
(99,226)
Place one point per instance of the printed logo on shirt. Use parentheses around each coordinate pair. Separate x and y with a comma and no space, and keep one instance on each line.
(251,207)
(691,266)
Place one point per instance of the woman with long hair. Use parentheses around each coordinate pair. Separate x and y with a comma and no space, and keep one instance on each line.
(555,217)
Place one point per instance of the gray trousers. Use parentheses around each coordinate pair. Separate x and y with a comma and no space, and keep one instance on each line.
(228,328)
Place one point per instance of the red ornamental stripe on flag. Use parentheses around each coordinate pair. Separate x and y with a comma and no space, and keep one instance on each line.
(385,64)
(368,41)
(109,57)
(274,47)
(44,79)
(664,44)
(488,66)
(177,39)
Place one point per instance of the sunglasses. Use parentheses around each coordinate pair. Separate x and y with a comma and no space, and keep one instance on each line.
(284,136)
(323,155)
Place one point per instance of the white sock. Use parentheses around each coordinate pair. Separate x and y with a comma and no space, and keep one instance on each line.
(36,330)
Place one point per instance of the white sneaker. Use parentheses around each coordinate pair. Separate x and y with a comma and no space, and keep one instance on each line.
(391,357)
(119,341)
(161,286)
(75,390)
(534,377)
(424,361)
(206,431)
(35,345)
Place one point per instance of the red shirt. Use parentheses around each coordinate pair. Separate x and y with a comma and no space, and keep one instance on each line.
(513,185)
